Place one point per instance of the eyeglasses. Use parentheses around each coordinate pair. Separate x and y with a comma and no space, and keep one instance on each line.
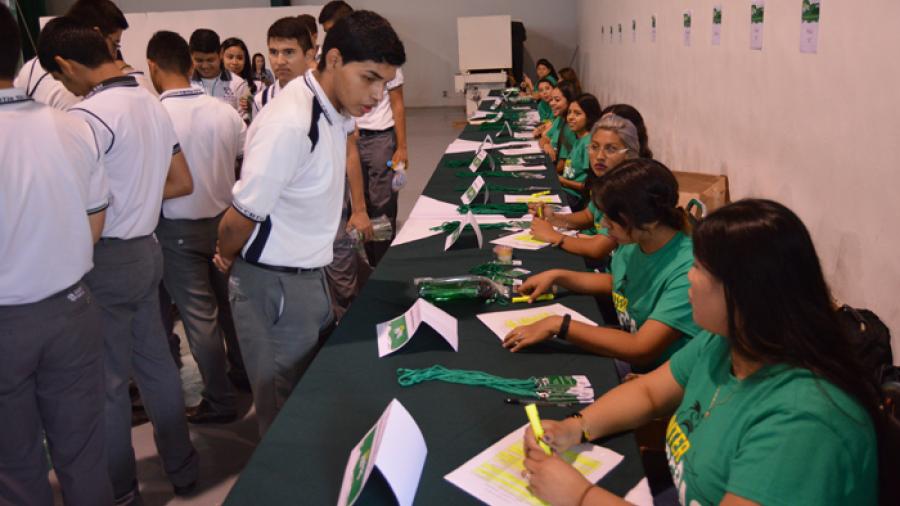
(609,149)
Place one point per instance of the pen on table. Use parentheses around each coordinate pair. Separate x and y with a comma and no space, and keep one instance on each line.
(550,404)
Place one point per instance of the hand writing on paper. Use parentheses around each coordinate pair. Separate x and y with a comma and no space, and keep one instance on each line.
(560,435)
(528,335)
(537,285)
(542,230)
(550,477)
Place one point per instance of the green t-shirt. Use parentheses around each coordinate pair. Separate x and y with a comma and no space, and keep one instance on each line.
(578,164)
(655,287)
(544,110)
(568,137)
(597,215)
(783,436)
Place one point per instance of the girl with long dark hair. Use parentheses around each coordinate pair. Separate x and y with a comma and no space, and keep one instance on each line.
(583,114)
(771,405)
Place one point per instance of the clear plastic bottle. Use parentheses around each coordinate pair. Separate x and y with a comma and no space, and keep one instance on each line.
(399,180)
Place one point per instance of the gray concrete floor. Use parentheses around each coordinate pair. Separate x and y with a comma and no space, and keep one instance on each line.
(225,449)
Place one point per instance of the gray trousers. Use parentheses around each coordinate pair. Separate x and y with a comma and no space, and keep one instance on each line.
(188,247)
(375,151)
(279,317)
(125,282)
(349,270)
(51,378)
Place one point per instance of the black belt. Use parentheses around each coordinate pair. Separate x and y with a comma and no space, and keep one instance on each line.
(367,133)
(279,268)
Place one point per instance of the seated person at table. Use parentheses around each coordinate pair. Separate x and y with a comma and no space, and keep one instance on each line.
(542,69)
(619,135)
(768,406)
(545,112)
(583,114)
(648,279)
(558,139)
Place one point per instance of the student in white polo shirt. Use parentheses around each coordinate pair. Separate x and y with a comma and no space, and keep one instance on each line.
(290,56)
(287,206)
(144,165)
(210,134)
(53,192)
(210,74)
(101,15)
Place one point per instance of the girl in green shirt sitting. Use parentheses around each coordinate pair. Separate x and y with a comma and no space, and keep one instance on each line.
(545,112)
(583,114)
(771,406)
(648,273)
(619,135)
(542,69)
(558,139)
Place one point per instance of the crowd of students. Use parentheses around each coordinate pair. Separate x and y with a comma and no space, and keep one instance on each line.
(238,192)
(209,183)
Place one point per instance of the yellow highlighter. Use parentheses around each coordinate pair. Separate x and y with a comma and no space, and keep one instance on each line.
(541,298)
(541,194)
(537,428)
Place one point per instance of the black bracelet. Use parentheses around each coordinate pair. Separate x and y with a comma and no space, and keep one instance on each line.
(585,437)
(564,328)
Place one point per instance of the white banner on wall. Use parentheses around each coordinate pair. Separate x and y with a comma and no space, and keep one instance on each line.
(717,25)
(809,26)
(687,21)
(757,17)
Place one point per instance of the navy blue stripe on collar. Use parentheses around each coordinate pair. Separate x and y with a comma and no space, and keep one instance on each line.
(318,99)
(114,82)
(193,92)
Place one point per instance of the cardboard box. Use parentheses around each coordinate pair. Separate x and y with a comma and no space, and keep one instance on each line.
(710,189)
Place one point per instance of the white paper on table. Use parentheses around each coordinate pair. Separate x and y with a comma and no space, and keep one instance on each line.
(397,332)
(501,322)
(427,207)
(494,476)
(396,446)
(464,146)
(530,150)
(523,135)
(415,229)
(473,191)
(521,240)
(640,495)
(522,168)
(527,199)
(454,236)
(482,117)
(756,28)
(809,27)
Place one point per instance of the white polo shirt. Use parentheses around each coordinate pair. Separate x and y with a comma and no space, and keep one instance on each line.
(42,87)
(226,87)
(211,135)
(381,117)
(265,96)
(137,140)
(51,180)
(292,181)
(144,81)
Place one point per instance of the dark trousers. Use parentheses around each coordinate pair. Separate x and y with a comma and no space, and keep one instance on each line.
(125,281)
(51,381)
(375,151)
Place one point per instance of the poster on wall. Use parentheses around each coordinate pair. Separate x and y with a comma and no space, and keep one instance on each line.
(620,33)
(610,33)
(688,15)
(717,25)
(633,31)
(809,27)
(653,28)
(757,15)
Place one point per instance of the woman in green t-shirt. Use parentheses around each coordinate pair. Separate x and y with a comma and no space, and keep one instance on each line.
(558,139)
(619,135)
(545,86)
(772,406)
(648,273)
(584,112)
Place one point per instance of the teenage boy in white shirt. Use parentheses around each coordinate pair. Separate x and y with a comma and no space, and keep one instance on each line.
(211,135)
(278,235)
(210,74)
(144,165)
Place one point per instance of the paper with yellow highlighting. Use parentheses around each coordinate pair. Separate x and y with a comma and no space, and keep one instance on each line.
(494,476)
(501,322)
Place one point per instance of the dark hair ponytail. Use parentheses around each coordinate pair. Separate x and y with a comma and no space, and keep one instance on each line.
(640,192)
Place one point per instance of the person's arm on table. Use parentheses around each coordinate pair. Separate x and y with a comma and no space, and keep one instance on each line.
(359,217)
(572,185)
(574,221)
(178,181)
(597,246)
(234,231)
(398,109)
(589,283)
(625,407)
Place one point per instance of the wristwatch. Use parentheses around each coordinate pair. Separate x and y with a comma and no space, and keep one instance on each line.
(564,327)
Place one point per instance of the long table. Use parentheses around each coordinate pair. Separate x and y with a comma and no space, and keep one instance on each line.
(347,387)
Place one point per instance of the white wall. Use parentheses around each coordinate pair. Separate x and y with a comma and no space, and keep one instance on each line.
(428,31)
(820,133)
